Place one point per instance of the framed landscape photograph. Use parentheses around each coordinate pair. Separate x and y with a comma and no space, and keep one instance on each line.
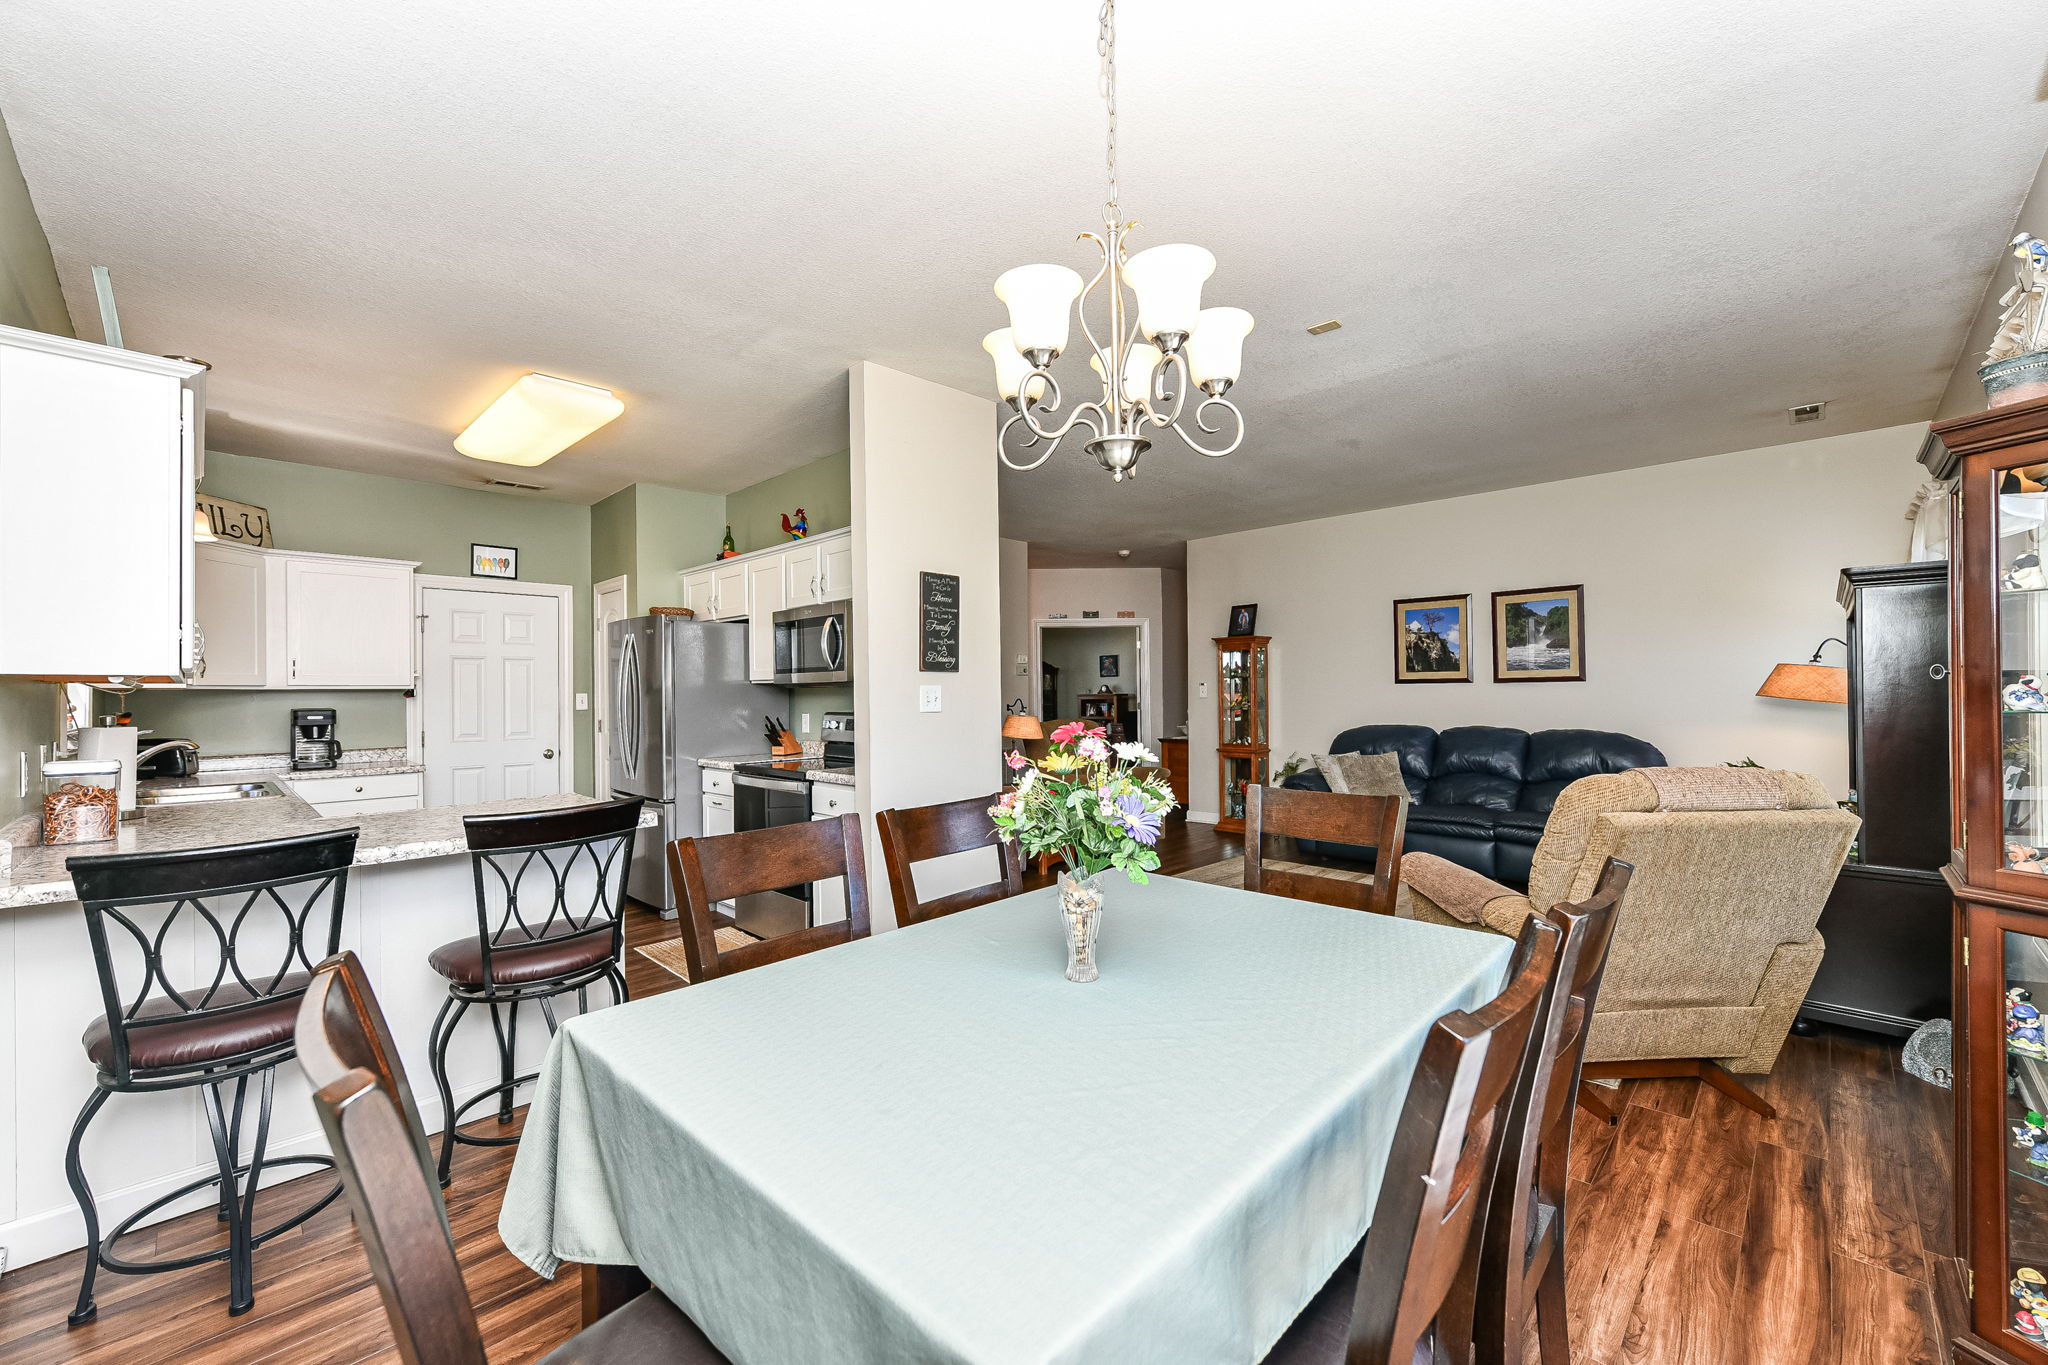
(1539,635)
(1429,639)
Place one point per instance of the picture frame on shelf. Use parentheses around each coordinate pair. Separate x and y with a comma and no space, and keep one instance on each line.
(1244,620)
(1432,639)
(493,561)
(1539,634)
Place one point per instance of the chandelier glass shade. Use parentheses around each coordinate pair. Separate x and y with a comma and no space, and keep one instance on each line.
(1164,347)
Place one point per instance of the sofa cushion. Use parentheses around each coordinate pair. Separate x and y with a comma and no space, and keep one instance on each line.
(1489,749)
(1475,822)
(1558,758)
(1520,826)
(1472,789)
(1415,745)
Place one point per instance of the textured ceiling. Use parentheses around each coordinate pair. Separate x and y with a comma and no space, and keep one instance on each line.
(1563,238)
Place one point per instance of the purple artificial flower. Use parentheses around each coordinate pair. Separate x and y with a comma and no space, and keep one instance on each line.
(1143,824)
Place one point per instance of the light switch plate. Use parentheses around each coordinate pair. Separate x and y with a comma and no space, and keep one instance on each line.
(582,701)
(1201,689)
(804,723)
(928,697)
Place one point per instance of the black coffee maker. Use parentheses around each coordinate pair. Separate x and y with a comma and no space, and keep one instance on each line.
(313,742)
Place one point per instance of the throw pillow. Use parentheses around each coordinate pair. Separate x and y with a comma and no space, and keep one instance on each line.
(1363,774)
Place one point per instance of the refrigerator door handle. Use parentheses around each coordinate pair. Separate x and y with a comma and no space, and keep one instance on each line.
(631,707)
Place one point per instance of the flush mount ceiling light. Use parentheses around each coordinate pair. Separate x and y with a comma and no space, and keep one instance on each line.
(1147,365)
(537,419)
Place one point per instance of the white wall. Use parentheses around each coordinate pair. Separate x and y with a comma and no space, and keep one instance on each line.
(1018,684)
(1077,652)
(1158,595)
(924,499)
(1699,576)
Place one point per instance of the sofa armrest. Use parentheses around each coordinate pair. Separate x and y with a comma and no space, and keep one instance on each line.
(1779,995)
(1440,890)
(1309,779)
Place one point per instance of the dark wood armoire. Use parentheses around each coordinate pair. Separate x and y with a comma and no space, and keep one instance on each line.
(1887,922)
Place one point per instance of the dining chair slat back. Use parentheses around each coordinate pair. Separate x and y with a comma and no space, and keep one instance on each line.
(920,833)
(714,868)
(1522,1262)
(374,1131)
(1376,822)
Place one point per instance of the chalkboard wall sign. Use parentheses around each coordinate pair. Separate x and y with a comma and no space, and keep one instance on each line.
(938,625)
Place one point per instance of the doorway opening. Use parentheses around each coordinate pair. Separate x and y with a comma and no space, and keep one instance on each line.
(1099,671)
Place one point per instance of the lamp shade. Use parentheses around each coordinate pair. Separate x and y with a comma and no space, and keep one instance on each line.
(1022,727)
(537,419)
(1139,363)
(1012,369)
(1041,300)
(1168,283)
(1216,350)
(1807,682)
(202,527)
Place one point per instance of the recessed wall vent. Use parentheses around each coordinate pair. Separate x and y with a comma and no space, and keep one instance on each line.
(1808,412)
(521,487)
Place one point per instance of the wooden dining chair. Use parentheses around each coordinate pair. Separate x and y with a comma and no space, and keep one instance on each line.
(1521,1265)
(1376,822)
(923,832)
(720,867)
(364,1104)
(1407,1295)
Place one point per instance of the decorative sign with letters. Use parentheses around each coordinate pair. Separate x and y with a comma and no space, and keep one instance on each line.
(938,622)
(236,522)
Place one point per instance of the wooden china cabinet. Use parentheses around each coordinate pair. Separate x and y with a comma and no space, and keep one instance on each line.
(1242,749)
(1998,871)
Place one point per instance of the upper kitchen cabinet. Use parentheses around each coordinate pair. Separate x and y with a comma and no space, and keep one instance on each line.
(233,602)
(97,458)
(347,622)
(818,569)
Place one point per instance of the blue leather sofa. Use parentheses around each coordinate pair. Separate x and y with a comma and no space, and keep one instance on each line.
(1481,793)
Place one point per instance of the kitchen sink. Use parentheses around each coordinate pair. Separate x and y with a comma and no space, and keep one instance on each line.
(194,796)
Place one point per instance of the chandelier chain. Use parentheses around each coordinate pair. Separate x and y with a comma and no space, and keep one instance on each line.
(1105,44)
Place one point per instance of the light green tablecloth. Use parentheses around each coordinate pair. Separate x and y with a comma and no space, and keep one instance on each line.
(931,1146)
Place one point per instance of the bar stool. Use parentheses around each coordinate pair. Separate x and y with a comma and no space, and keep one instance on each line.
(550,890)
(249,922)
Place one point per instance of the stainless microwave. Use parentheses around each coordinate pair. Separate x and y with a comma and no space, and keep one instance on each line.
(814,644)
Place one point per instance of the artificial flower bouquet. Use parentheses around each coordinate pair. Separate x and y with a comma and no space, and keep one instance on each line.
(1085,803)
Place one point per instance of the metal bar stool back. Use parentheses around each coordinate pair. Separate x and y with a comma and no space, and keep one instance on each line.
(550,906)
(203,956)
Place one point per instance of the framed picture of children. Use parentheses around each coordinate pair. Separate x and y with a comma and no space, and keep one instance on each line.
(1430,639)
(1539,635)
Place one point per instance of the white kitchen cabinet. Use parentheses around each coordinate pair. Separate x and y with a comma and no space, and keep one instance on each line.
(699,585)
(835,568)
(348,622)
(365,795)
(764,599)
(717,815)
(232,600)
(729,590)
(818,569)
(829,800)
(97,451)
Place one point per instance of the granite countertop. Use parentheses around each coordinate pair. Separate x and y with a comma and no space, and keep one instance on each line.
(35,874)
(354,763)
(810,767)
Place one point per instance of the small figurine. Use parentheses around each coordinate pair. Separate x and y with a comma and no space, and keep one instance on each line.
(2033,1136)
(726,550)
(2025,575)
(2022,858)
(2025,695)
(2030,1292)
(2023,326)
(2023,1024)
(797,529)
(2026,1325)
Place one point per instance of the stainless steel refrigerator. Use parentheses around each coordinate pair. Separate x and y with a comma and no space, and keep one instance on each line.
(679,692)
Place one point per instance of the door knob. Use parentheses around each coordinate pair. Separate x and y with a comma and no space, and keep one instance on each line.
(547,753)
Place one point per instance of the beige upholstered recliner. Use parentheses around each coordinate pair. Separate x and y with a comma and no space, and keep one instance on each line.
(1715,946)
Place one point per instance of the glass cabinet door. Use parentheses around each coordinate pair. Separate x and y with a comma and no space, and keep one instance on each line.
(2026,1148)
(2022,667)
(1239,771)
(1241,674)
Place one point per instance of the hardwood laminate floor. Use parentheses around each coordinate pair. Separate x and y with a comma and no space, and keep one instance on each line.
(1701,1234)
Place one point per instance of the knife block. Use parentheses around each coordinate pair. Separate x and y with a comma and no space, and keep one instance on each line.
(785,746)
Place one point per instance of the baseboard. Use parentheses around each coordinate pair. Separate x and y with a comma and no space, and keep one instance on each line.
(1201,817)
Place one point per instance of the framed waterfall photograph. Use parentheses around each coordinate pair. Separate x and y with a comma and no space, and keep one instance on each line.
(1539,635)
(1430,639)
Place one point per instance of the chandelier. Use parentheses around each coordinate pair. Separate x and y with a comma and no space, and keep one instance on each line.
(1163,349)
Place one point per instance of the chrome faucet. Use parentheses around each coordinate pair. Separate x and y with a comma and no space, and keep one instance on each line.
(153,750)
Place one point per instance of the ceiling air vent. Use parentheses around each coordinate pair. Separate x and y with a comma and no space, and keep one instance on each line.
(522,487)
(1321,327)
(1808,412)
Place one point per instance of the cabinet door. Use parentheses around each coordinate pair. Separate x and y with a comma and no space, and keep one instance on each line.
(2007,1088)
(348,623)
(764,599)
(717,815)
(802,579)
(828,898)
(835,569)
(233,611)
(729,590)
(95,512)
(698,588)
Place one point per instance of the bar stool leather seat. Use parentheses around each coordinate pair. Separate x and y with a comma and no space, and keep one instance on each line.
(463,960)
(195,1042)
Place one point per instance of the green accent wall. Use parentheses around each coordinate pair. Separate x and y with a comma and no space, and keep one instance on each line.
(29,297)
(651,534)
(221,721)
(823,488)
(340,512)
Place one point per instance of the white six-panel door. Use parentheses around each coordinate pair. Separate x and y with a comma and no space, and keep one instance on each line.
(490,691)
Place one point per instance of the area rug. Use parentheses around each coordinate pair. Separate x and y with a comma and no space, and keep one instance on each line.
(1230,872)
(669,956)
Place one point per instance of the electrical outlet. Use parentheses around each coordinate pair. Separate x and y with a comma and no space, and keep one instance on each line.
(582,701)
(803,723)
(928,697)
(1023,670)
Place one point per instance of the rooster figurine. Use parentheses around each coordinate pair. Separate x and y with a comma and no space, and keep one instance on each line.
(795,530)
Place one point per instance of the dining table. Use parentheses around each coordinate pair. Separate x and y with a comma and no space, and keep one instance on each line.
(930,1146)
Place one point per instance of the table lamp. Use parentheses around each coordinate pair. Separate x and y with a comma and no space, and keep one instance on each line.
(1021,728)
(1810,681)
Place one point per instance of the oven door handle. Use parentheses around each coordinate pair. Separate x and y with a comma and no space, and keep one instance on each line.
(770,784)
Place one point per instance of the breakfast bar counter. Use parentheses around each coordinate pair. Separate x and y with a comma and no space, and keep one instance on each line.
(410,891)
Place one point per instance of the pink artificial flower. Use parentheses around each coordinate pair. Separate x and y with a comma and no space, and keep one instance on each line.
(1015,758)
(1069,731)
(1093,746)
